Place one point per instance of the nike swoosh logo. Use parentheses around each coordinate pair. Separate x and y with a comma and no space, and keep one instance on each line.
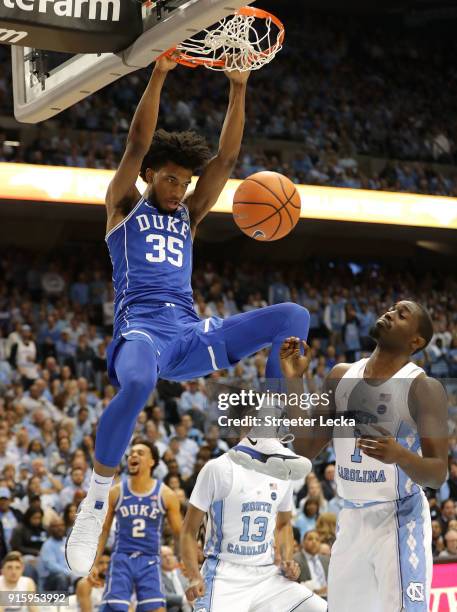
(253,442)
(128,497)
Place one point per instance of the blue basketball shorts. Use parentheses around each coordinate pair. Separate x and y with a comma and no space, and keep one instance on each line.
(130,574)
(186,346)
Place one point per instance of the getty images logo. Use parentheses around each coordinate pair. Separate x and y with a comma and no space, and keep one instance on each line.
(100,10)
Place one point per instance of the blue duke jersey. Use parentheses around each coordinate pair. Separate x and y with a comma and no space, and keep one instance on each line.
(361,479)
(151,254)
(139,519)
(242,506)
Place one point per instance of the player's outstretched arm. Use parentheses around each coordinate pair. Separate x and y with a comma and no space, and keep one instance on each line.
(122,191)
(295,357)
(173,508)
(189,552)
(428,407)
(112,501)
(218,170)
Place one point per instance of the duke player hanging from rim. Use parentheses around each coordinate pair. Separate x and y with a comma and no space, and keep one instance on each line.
(140,503)
(156,329)
(382,558)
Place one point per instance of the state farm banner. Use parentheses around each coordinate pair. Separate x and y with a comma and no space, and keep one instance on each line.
(71,26)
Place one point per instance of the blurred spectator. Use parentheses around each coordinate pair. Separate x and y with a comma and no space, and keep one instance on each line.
(328,483)
(448,513)
(215,444)
(314,488)
(351,335)
(8,454)
(174,583)
(437,539)
(65,349)
(29,537)
(69,516)
(452,480)
(278,291)
(13,579)
(193,401)
(450,551)
(326,527)
(84,358)
(23,356)
(79,291)
(313,565)
(77,484)
(52,566)
(307,519)
(9,517)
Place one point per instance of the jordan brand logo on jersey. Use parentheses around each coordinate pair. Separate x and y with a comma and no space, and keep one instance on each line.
(415,591)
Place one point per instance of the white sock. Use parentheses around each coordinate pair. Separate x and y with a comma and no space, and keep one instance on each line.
(99,489)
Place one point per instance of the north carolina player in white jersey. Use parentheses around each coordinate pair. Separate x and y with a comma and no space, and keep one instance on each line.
(392,443)
(246,510)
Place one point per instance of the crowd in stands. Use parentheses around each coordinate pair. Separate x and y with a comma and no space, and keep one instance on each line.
(338,90)
(55,324)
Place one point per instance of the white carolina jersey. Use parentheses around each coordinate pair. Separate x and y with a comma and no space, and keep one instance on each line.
(242,506)
(360,478)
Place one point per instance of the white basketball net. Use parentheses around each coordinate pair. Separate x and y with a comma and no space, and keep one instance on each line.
(234,44)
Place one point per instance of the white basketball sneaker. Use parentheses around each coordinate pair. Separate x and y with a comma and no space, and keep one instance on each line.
(82,542)
(269,456)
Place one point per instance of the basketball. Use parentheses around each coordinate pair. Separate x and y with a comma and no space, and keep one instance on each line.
(266,206)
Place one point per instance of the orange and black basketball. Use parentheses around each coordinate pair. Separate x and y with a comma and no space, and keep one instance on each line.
(266,206)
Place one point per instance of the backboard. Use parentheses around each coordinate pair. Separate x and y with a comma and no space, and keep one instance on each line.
(39,95)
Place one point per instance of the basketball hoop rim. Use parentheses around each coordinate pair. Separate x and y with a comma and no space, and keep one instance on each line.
(246,11)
